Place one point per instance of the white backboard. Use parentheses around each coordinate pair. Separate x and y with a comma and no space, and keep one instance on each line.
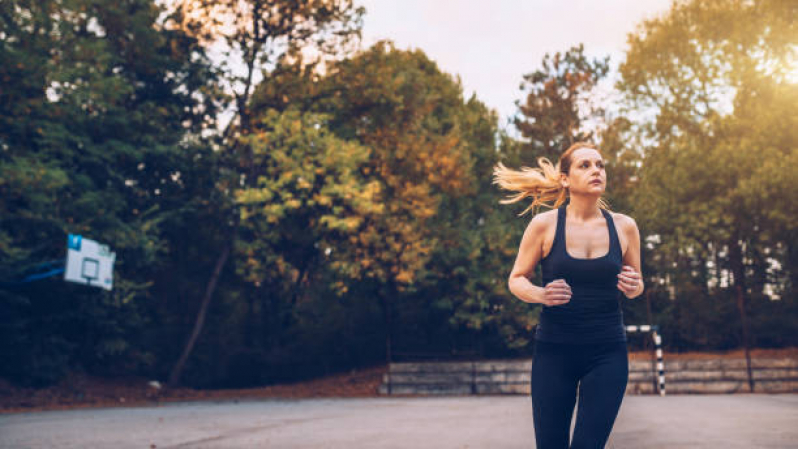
(89,262)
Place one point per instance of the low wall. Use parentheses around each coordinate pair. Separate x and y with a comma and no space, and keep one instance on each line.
(771,375)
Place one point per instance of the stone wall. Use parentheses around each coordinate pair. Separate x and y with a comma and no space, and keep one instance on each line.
(771,375)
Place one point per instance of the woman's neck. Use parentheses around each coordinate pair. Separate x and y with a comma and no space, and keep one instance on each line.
(583,209)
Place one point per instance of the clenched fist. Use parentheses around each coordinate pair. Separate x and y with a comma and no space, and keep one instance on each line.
(557,293)
(628,280)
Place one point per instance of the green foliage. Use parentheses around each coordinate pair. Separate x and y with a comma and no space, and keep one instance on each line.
(355,188)
(99,96)
(561,99)
(713,74)
(309,196)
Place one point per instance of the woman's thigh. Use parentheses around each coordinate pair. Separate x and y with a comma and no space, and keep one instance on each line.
(554,383)
(601,392)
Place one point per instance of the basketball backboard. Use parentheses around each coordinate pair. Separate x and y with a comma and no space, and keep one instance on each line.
(89,262)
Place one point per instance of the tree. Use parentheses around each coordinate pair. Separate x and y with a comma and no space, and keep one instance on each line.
(96,101)
(715,76)
(561,99)
(260,33)
(309,198)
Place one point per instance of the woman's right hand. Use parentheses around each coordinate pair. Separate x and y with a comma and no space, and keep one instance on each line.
(556,293)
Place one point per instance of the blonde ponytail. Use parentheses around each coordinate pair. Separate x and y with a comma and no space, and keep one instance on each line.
(541,184)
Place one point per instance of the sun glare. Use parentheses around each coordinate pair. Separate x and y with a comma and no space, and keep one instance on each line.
(792,74)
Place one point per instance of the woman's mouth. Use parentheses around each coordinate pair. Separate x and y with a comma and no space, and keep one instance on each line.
(595,182)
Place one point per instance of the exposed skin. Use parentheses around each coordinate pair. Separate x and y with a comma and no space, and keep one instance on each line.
(586,232)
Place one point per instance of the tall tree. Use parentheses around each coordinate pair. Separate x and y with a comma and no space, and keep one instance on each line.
(413,120)
(399,104)
(310,197)
(559,102)
(715,74)
(96,101)
(257,34)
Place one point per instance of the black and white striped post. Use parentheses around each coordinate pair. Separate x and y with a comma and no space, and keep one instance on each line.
(654,329)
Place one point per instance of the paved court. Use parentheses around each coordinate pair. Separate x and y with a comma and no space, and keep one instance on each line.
(711,421)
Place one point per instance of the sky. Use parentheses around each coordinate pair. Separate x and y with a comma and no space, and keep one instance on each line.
(491,44)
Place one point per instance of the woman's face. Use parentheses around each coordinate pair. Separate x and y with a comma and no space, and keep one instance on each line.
(587,174)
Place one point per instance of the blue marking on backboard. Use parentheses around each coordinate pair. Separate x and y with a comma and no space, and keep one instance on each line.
(73,241)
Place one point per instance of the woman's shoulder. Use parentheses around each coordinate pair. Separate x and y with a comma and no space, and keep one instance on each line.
(546,218)
(624,222)
(543,223)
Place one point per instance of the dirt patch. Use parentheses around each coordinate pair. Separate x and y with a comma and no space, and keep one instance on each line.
(85,391)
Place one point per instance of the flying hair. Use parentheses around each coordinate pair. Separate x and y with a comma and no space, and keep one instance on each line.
(541,183)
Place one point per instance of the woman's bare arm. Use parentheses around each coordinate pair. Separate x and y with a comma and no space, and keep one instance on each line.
(632,255)
(529,254)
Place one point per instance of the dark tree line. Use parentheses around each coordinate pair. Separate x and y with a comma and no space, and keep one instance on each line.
(345,214)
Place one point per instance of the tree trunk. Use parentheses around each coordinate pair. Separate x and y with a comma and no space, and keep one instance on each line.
(792,258)
(300,279)
(743,318)
(252,318)
(647,342)
(386,315)
(738,270)
(677,311)
(174,376)
(649,315)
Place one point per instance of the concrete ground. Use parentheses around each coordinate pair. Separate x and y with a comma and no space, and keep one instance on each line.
(711,421)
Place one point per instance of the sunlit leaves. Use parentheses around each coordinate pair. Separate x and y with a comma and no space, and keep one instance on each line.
(723,120)
(306,177)
(411,116)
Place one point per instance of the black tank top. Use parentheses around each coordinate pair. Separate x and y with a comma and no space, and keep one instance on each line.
(593,315)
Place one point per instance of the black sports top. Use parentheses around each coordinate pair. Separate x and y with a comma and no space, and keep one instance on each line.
(593,314)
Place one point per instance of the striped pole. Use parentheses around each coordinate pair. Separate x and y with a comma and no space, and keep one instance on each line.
(654,329)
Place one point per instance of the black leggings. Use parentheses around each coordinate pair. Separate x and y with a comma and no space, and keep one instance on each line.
(600,370)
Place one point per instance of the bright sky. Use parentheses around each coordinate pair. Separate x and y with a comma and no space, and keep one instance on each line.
(491,44)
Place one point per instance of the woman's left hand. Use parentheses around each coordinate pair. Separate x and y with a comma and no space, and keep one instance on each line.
(628,280)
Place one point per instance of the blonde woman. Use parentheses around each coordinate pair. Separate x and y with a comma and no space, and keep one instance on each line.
(588,257)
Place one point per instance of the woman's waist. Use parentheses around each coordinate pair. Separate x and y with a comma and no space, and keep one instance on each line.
(584,308)
(595,325)
(587,297)
(606,288)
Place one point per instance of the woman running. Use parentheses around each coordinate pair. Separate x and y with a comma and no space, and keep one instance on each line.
(588,256)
